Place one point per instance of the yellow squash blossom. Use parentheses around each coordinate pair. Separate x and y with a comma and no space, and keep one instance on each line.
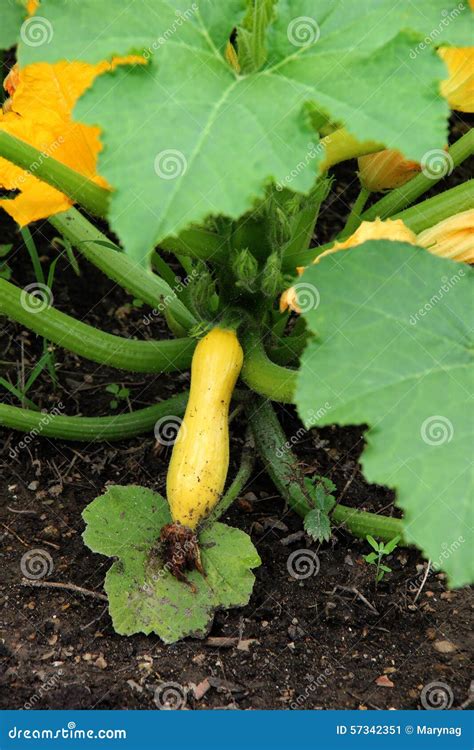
(385,170)
(39,111)
(452,238)
(458,89)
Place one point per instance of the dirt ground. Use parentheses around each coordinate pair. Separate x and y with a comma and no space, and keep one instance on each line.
(332,640)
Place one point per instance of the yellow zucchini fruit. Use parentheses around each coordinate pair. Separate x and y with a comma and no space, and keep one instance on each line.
(200,458)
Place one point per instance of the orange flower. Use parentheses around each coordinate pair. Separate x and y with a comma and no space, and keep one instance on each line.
(458,89)
(452,238)
(39,111)
(385,170)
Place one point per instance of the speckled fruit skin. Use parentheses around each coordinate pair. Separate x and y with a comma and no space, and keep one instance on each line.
(200,458)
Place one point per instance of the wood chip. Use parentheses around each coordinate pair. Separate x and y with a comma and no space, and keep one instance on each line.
(383,681)
(200,690)
(444,647)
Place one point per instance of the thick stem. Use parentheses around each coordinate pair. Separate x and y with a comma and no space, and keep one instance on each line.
(77,187)
(432,210)
(282,466)
(117,266)
(261,374)
(302,232)
(403,196)
(90,429)
(88,342)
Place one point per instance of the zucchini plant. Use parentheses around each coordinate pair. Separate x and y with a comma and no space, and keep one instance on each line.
(207,137)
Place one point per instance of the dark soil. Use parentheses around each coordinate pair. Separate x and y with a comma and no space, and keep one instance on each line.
(332,640)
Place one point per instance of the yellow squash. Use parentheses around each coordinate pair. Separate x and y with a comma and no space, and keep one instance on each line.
(200,459)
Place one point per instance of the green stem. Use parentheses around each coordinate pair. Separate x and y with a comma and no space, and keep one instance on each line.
(354,218)
(118,266)
(261,374)
(302,232)
(247,463)
(77,187)
(282,467)
(90,429)
(432,210)
(88,342)
(403,196)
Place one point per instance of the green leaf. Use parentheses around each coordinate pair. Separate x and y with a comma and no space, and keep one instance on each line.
(251,35)
(317,525)
(195,139)
(391,545)
(13,13)
(394,351)
(373,543)
(144,597)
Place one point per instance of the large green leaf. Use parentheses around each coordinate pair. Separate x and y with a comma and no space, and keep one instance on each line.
(186,137)
(12,13)
(394,351)
(144,597)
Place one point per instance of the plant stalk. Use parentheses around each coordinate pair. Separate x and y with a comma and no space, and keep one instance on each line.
(80,338)
(247,463)
(117,266)
(91,429)
(403,196)
(261,374)
(282,467)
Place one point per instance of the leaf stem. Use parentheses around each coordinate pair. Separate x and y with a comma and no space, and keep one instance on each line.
(261,374)
(90,429)
(88,342)
(354,218)
(77,187)
(118,267)
(403,196)
(432,210)
(282,467)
